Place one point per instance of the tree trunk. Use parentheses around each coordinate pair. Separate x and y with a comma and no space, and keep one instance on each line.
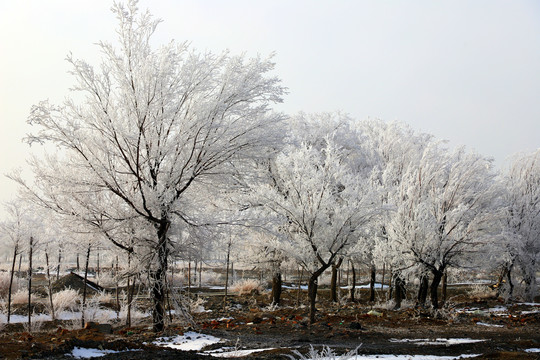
(117,278)
(348,272)
(500,281)
(373,274)
(276,288)
(195,272)
(129,293)
(30,251)
(299,286)
(97,270)
(49,287)
(312,295)
(444,288)
(399,290)
(312,291)
(131,296)
(433,289)
(390,286)
(382,280)
(333,281)
(529,279)
(423,290)
(59,262)
(86,266)
(227,273)
(159,278)
(78,266)
(11,275)
(510,283)
(352,285)
(200,274)
(189,277)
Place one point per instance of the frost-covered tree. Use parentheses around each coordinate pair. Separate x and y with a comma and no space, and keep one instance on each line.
(322,204)
(522,219)
(444,212)
(14,230)
(150,132)
(396,148)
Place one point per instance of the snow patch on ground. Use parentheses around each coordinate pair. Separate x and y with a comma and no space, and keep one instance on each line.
(498,309)
(439,341)
(187,342)
(226,352)
(533,350)
(293,287)
(530,312)
(200,309)
(85,353)
(401,357)
(100,315)
(366,286)
(490,325)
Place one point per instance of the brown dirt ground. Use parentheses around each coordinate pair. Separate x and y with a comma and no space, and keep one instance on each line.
(343,327)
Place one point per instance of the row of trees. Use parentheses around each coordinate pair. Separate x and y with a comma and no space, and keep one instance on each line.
(161,150)
(385,196)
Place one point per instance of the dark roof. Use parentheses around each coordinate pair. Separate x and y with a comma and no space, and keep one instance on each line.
(75,282)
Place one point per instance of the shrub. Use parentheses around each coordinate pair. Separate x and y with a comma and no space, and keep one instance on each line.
(21,297)
(481,291)
(197,305)
(104,297)
(4,284)
(326,353)
(136,315)
(106,279)
(67,299)
(246,286)
(36,324)
(93,312)
(209,277)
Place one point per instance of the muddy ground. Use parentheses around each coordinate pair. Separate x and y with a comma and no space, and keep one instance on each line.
(247,322)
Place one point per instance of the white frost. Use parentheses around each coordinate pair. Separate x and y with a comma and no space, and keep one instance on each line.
(189,341)
(439,341)
(402,357)
(490,325)
(234,353)
(84,353)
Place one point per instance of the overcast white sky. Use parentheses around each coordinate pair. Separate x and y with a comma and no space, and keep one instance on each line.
(466,71)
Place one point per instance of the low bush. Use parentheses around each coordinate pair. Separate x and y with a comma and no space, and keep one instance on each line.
(246,286)
(21,297)
(67,299)
(106,279)
(4,284)
(326,353)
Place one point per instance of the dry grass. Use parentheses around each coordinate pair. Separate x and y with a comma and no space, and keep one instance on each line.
(106,279)
(104,298)
(326,353)
(68,299)
(246,286)
(4,284)
(209,277)
(21,297)
(481,291)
